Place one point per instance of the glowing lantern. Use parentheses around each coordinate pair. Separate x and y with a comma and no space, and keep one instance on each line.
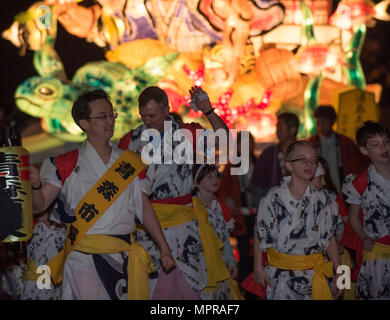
(316,58)
(276,72)
(261,124)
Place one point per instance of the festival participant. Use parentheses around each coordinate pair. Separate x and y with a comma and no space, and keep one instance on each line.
(47,240)
(98,192)
(295,228)
(271,160)
(369,191)
(339,151)
(206,180)
(171,185)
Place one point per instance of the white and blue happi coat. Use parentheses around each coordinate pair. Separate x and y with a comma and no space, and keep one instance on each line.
(171,181)
(46,242)
(294,227)
(94,276)
(374,277)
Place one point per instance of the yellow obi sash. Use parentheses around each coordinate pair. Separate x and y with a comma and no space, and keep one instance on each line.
(322,269)
(171,215)
(139,266)
(30,271)
(380,251)
(94,204)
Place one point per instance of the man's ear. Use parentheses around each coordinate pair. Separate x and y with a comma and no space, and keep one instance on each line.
(363,150)
(84,124)
(166,111)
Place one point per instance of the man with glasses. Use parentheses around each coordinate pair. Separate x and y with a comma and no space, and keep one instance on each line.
(98,195)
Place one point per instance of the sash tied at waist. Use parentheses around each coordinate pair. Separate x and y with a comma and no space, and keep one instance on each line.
(322,269)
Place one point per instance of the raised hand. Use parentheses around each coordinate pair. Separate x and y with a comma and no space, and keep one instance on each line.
(201,99)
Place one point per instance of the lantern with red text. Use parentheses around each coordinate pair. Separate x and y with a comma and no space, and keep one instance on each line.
(15,183)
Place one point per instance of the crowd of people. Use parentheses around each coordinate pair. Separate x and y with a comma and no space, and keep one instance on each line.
(110,226)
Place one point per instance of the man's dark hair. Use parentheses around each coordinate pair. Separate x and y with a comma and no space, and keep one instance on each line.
(81,109)
(368,130)
(153,93)
(291,120)
(325,111)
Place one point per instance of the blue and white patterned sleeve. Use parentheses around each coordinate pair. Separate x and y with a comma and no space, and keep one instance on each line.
(49,173)
(352,195)
(265,223)
(325,221)
(228,254)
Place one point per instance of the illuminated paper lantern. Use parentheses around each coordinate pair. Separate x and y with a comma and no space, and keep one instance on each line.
(354,106)
(15,182)
(276,72)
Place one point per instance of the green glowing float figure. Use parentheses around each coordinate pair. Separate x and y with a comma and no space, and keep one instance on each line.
(311,50)
(50,95)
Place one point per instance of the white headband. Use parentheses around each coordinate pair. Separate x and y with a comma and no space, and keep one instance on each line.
(320,170)
(201,168)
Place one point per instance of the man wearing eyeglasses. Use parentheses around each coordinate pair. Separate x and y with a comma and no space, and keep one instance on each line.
(98,194)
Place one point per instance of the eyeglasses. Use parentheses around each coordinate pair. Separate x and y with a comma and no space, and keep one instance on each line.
(107,116)
(305,161)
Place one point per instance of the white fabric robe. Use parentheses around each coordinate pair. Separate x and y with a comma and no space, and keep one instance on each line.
(80,279)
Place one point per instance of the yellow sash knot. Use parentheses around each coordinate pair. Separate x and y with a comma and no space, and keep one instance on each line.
(139,266)
(30,271)
(322,269)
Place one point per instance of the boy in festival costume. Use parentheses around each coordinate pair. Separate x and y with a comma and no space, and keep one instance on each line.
(170,194)
(98,195)
(295,228)
(206,180)
(370,192)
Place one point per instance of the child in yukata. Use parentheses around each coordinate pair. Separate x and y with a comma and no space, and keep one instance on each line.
(48,239)
(295,228)
(369,192)
(206,180)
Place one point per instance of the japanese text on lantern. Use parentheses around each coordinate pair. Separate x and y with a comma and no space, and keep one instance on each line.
(355,106)
(11,175)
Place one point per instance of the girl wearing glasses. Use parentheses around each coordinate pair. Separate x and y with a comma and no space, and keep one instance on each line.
(294,227)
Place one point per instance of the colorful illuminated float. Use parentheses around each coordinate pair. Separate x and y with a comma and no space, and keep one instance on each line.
(254,58)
